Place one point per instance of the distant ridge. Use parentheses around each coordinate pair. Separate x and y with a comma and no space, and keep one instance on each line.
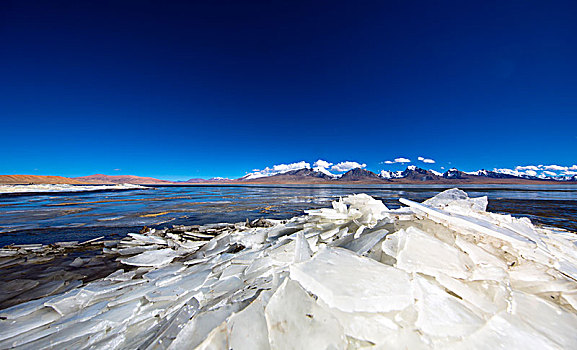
(361,175)
(411,175)
(118,179)
(37,179)
(419,174)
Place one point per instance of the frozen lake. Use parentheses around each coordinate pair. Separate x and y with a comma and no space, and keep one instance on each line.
(51,217)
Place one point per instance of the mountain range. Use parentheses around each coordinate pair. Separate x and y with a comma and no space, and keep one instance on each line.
(410,175)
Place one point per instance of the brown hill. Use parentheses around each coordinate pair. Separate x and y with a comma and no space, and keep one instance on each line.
(37,179)
(118,179)
(308,176)
(299,176)
(362,176)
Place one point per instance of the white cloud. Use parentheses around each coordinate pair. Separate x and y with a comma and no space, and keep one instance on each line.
(555,167)
(398,160)
(506,171)
(283,168)
(426,160)
(322,164)
(277,169)
(516,172)
(527,167)
(346,166)
(540,171)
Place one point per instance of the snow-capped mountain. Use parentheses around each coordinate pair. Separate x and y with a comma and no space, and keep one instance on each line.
(302,172)
(314,175)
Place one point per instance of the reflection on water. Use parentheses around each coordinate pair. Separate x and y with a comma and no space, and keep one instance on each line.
(80,216)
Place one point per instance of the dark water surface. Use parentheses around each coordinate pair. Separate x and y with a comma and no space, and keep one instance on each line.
(49,218)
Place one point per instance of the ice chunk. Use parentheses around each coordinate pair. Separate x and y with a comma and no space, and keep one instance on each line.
(469,223)
(12,328)
(23,309)
(547,319)
(148,239)
(302,249)
(295,321)
(442,315)
(366,241)
(455,199)
(248,328)
(179,287)
(423,253)
(479,255)
(195,331)
(216,339)
(504,331)
(468,294)
(351,283)
(368,326)
(154,258)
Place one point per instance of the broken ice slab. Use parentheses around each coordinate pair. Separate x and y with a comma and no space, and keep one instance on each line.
(248,328)
(441,314)
(196,329)
(457,200)
(475,298)
(163,271)
(295,321)
(59,325)
(162,338)
(23,309)
(351,283)
(303,250)
(546,318)
(148,239)
(154,258)
(420,252)
(366,241)
(470,223)
(97,326)
(367,326)
(12,328)
(178,287)
(504,331)
(478,255)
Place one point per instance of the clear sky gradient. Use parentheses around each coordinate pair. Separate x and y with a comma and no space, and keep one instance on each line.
(217,88)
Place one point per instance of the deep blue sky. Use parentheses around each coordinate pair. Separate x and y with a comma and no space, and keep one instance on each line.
(217,88)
